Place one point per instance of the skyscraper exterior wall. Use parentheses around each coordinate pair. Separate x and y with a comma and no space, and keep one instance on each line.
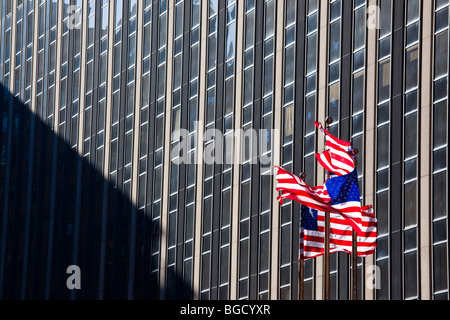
(139,137)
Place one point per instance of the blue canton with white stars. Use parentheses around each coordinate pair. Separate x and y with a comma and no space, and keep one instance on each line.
(309,218)
(344,189)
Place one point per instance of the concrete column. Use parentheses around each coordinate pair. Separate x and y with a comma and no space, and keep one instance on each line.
(236,184)
(425,151)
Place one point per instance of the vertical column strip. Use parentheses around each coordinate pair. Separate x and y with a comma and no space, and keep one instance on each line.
(200,148)
(237,150)
(51,228)
(167,148)
(136,151)
(370,149)
(13,44)
(425,142)
(277,146)
(82,87)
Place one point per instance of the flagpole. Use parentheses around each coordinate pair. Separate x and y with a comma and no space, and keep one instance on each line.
(301,267)
(327,255)
(354,267)
(355,250)
(328,121)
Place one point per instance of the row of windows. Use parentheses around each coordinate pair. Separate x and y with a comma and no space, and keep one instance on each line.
(265,184)
(208,170)
(383,133)
(247,123)
(440,152)
(310,115)
(410,149)
(227,172)
(287,213)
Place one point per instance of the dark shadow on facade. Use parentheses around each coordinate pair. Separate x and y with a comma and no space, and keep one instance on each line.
(57,210)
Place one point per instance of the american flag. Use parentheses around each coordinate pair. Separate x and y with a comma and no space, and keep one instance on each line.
(318,198)
(336,157)
(345,197)
(312,234)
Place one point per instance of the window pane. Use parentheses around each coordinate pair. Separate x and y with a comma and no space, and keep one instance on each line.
(335,41)
(440,267)
(230,41)
(212,51)
(412,34)
(441,54)
(412,56)
(290,11)
(410,274)
(248,86)
(383,146)
(289,65)
(311,57)
(360,28)
(440,124)
(441,19)
(310,114)
(288,123)
(440,195)
(358,92)
(413,10)
(334,96)
(270,18)
(383,293)
(249,29)
(382,211)
(410,135)
(440,159)
(268,75)
(385,17)
(440,231)
(410,204)
(384,80)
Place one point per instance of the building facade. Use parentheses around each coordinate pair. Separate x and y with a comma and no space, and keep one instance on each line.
(129,132)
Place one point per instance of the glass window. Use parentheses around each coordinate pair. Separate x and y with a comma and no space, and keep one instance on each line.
(311,58)
(335,41)
(411,67)
(440,267)
(410,203)
(440,116)
(441,54)
(360,29)
(410,143)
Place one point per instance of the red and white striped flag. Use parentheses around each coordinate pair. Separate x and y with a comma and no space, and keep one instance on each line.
(367,242)
(312,234)
(336,157)
(294,188)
